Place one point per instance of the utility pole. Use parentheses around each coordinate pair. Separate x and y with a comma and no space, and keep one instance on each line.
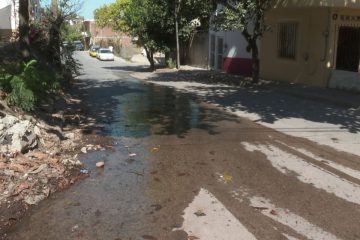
(177,10)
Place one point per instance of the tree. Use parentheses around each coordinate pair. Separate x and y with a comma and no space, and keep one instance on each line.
(248,17)
(112,15)
(24,29)
(152,22)
(59,12)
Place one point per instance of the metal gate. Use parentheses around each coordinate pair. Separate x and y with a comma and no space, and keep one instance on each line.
(348,49)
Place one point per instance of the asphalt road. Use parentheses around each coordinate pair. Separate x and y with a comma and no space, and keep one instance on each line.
(183,169)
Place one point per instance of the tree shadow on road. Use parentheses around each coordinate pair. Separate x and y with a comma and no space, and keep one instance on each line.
(270,104)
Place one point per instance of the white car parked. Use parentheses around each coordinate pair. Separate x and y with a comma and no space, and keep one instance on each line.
(105,54)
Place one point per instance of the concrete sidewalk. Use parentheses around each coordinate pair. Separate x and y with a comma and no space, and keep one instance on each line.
(332,96)
(325,116)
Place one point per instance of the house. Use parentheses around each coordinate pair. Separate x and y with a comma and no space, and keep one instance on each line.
(307,42)
(104,34)
(227,52)
(10,18)
(313,42)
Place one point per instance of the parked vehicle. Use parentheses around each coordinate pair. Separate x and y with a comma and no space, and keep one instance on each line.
(93,51)
(105,54)
(78,45)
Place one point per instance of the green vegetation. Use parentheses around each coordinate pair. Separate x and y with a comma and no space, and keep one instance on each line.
(25,84)
(151,23)
(35,67)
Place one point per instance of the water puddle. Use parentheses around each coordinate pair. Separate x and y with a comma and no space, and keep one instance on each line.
(113,202)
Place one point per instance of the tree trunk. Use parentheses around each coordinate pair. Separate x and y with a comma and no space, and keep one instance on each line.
(54,42)
(150,57)
(24,29)
(255,61)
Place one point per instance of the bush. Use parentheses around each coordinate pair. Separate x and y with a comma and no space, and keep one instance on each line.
(26,84)
(171,63)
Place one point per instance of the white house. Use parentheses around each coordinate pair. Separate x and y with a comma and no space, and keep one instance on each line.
(227,51)
(9,16)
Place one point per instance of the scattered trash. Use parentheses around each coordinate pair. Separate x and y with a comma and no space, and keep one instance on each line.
(83,150)
(273,212)
(227,177)
(132,154)
(84,171)
(75,228)
(155,149)
(100,164)
(199,213)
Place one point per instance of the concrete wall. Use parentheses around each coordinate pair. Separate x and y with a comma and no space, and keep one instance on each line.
(235,57)
(197,53)
(5,16)
(312,46)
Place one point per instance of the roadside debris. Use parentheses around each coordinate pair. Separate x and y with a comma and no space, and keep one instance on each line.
(199,213)
(84,171)
(83,150)
(225,178)
(36,160)
(155,149)
(100,164)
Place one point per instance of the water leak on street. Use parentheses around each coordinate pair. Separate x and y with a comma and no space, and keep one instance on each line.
(113,202)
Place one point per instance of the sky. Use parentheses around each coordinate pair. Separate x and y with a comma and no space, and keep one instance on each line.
(88,7)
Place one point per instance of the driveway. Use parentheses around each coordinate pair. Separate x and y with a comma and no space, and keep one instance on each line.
(181,168)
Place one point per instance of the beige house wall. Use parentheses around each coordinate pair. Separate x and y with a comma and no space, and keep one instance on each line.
(310,65)
(316,47)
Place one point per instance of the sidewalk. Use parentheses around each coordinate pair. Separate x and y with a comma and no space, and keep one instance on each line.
(324,116)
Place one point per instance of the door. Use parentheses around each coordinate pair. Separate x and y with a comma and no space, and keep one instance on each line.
(220,53)
(348,49)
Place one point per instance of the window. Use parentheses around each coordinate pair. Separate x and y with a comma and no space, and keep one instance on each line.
(287,40)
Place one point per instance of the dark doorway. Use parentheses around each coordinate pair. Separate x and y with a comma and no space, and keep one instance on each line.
(348,49)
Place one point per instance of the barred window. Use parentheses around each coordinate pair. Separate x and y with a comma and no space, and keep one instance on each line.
(287,40)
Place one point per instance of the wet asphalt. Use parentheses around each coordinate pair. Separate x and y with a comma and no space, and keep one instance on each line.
(166,147)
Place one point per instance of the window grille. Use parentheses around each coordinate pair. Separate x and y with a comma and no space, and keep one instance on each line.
(287,40)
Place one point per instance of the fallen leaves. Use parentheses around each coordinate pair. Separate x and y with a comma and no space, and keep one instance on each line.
(227,177)
(155,149)
(199,213)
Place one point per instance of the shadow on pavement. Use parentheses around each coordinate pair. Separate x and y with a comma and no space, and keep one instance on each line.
(269,103)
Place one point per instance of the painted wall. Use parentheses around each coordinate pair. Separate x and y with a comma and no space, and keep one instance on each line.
(235,57)
(312,46)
